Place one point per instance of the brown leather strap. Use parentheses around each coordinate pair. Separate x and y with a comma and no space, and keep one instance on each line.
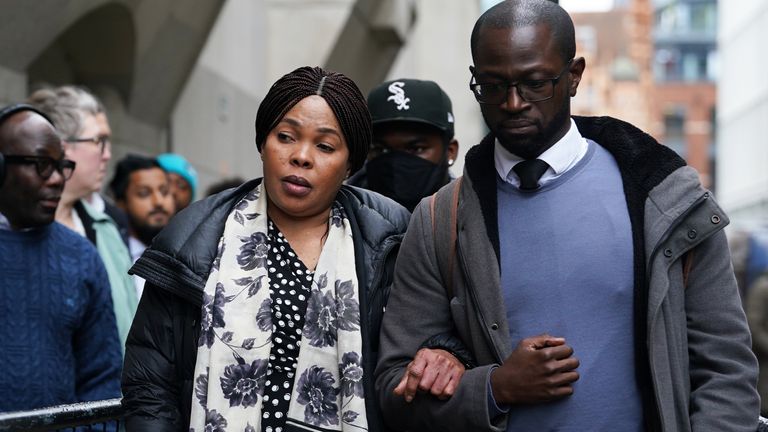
(447,272)
(432,200)
(454,233)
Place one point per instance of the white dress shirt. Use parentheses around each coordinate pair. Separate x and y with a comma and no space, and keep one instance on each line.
(561,157)
(137,248)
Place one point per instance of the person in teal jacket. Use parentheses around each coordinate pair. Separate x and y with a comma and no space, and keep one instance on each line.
(82,122)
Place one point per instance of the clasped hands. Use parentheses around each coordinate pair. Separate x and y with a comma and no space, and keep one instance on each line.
(540,369)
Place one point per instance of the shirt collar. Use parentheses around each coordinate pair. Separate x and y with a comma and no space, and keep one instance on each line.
(136,247)
(97,202)
(561,157)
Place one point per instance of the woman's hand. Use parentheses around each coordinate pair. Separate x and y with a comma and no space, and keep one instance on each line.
(432,370)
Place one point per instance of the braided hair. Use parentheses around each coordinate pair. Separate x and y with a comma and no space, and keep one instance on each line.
(341,94)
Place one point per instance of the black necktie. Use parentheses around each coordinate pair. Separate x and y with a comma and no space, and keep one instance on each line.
(529,172)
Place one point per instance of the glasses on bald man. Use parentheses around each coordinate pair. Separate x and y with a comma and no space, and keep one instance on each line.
(495,93)
(44,165)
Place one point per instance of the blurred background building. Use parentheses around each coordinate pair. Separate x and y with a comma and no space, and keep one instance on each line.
(742,113)
(685,72)
(653,63)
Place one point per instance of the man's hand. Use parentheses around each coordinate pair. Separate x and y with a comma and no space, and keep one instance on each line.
(432,370)
(540,369)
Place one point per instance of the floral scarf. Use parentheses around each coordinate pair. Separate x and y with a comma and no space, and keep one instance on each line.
(236,333)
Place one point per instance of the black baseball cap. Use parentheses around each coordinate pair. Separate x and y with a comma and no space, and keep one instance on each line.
(412,100)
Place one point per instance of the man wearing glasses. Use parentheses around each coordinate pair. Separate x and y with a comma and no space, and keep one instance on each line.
(58,338)
(82,124)
(581,262)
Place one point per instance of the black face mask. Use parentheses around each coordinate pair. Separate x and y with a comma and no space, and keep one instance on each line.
(405,178)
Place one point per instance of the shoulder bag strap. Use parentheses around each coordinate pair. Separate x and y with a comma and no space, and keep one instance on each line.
(445,254)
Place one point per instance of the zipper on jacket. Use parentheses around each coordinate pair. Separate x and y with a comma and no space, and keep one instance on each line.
(667,233)
(479,311)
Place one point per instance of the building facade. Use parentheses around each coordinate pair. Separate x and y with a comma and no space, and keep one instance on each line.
(653,63)
(742,112)
(685,73)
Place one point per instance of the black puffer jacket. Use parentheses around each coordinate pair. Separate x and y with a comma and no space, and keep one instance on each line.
(162,345)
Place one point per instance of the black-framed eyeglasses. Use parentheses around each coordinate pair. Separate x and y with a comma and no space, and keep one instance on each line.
(44,165)
(102,141)
(529,90)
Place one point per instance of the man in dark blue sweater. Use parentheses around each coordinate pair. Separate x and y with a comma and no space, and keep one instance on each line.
(58,337)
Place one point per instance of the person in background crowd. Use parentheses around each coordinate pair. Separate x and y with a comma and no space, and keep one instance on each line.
(82,123)
(183,178)
(757,316)
(413,142)
(142,190)
(585,267)
(224,184)
(292,272)
(58,338)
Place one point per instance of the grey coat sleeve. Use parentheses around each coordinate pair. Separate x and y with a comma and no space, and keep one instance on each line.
(723,369)
(418,308)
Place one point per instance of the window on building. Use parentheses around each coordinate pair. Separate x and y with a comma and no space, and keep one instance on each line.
(685,62)
(703,17)
(713,63)
(674,130)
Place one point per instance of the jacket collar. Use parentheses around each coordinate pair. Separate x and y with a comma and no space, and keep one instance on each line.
(180,257)
(642,161)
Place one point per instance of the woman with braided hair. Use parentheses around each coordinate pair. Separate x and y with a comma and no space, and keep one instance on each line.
(262,304)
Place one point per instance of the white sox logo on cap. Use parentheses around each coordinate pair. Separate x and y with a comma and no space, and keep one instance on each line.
(398,95)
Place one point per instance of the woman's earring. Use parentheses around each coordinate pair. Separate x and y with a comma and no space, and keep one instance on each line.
(450,162)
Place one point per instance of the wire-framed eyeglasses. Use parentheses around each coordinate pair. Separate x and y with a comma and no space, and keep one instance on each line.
(529,90)
(44,165)
(103,142)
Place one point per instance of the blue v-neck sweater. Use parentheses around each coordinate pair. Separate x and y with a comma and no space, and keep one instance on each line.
(566,269)
(58,338)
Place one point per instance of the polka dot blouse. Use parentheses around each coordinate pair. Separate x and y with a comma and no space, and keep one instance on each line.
(289,288)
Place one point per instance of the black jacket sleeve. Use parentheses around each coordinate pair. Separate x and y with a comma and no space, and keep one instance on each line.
(151,385)
(450,342)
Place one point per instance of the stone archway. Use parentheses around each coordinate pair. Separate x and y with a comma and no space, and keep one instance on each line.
(97,50)
(135,54)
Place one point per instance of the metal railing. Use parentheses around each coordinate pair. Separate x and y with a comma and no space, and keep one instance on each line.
(103,415)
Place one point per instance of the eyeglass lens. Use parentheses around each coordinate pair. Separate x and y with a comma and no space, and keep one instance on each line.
(45,167)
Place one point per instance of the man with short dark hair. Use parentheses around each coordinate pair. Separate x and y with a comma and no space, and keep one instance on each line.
(413,141)
(141,189)
(58,339)
(580,261)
